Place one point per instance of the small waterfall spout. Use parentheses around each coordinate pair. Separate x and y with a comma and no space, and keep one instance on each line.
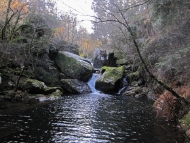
(92,82)
(121,90)
(125,84)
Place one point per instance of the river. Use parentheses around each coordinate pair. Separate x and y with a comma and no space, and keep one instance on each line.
(89,118)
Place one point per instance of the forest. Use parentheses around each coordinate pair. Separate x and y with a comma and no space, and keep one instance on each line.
(150,37)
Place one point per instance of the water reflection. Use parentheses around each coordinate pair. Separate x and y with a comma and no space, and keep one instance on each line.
(89,118)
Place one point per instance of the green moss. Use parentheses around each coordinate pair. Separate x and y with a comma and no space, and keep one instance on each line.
(36,83)
(134,76)
(74,66)
(121,68)
(57,93)
(112,74)
(112,71)
(65,62)
(185,121)
(68,63)
(50,90)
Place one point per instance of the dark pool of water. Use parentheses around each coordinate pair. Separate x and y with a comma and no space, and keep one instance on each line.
(92,118)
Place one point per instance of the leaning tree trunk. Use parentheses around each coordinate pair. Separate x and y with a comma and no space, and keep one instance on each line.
(144,63)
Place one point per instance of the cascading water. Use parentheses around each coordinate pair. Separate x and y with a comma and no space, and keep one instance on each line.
(121,90)
(92,83)
(95,76)
(125,84)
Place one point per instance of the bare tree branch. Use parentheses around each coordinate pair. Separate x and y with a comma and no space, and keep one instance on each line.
(133,6)
(128,28)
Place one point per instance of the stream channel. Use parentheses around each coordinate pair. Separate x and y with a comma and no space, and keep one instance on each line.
(89,118)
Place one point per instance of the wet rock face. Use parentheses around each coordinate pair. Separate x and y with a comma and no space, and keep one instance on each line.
(109,78)
(73,66)
(75,86)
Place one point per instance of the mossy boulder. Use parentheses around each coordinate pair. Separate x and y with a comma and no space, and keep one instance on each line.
(134,76)
(50,90)
(74,66)
(57,93)
(34,86)
(75,86)
(109,79)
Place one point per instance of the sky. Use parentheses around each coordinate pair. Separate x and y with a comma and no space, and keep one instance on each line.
(79,7)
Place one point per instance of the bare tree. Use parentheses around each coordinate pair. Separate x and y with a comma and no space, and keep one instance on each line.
(121,19)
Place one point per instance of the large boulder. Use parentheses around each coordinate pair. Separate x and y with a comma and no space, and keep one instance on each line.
(133,76)
(110,79)
(45,71)
(49,75)
(37,87)
(34,86)
(50,90)
(75,86)
(74,66)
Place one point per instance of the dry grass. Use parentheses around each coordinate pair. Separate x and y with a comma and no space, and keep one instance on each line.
(170,107)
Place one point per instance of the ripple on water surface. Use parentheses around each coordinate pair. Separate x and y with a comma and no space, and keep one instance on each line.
(88,118)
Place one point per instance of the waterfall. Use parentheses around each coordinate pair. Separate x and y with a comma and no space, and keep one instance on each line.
(92,82)
(121,90)
(125,84)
